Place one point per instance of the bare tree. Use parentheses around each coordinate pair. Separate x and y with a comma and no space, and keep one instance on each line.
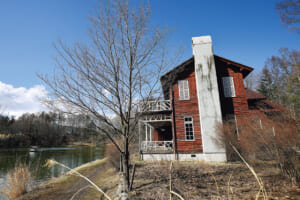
(251,81)
(289,11)
(280,80)
(109,77)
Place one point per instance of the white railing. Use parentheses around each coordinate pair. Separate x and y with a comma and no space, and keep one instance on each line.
(154,106)
(157,146)
(156,117)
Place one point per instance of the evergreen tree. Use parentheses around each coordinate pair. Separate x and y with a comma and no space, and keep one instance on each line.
(265,86)
(280,80)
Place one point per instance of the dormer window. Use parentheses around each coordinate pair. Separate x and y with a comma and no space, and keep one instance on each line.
(184,93)
(228,86)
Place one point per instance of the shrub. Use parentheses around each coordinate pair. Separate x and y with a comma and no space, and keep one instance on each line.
(269,140)
(18,182)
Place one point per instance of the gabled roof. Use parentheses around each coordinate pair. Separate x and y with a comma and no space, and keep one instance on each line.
(253,95)
(243,68)
(171,76)
(261,99)
(275,106)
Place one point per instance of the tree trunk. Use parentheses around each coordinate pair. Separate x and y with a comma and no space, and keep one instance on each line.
(125,162)
(124,172)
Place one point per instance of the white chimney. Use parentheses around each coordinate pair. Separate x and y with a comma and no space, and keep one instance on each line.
(208,97)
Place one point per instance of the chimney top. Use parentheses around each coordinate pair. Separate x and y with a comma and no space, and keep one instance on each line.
(201,40)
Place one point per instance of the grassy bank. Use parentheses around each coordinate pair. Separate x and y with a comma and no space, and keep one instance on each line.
(192,180)
(65,187)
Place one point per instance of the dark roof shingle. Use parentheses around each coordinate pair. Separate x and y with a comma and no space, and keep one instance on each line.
(253,95)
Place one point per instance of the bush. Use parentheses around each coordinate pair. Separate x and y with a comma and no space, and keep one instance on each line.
(269,140)
(18,182)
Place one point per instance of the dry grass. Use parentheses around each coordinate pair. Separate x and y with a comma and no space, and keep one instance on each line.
(18,182)
(50,163)
(69,186)
(191,180)
(259,181)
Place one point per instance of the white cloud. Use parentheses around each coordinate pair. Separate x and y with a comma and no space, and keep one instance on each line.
(16,101)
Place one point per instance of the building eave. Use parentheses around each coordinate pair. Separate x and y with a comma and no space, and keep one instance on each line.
(169,78)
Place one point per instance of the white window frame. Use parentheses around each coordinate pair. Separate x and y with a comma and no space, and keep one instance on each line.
(189,123)
(228,86)
(184,91)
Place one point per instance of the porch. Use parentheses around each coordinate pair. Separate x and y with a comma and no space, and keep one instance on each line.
(157,146)
(155,129)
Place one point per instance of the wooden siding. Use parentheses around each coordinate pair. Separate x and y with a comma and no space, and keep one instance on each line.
(236,105)
(183,108)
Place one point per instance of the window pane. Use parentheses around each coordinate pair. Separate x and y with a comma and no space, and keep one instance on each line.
(187,119)
(228,86)
(183,86)
(189,131)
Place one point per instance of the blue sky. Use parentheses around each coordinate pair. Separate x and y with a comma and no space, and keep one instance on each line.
(245,31)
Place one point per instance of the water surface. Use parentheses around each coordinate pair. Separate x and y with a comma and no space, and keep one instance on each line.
(69,156)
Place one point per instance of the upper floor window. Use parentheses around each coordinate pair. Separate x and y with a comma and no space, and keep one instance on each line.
(183,90)
(228,86)
(189,129)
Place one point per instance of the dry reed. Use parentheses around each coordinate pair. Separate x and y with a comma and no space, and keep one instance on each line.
(18,182)
(259,181)
(170,184)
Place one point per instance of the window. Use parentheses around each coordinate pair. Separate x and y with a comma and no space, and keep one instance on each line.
(188,126)
(183,90)
(228,86)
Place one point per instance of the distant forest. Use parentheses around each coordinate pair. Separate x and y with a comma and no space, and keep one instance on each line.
(46,129)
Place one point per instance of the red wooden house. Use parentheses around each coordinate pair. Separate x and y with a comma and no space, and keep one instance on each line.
(199,94)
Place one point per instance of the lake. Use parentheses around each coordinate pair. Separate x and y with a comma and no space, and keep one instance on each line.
(69,156)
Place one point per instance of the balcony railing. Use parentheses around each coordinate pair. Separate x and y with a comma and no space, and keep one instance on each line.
(157,146)
(155,106)
(156,118)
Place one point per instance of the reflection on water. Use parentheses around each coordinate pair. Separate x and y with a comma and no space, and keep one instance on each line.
(71,157)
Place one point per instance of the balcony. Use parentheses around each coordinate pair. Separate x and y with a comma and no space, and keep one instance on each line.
(157,146)
(156,113)
(155,106)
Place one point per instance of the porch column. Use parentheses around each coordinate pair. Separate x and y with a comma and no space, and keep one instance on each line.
(150,133)
(146,131)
